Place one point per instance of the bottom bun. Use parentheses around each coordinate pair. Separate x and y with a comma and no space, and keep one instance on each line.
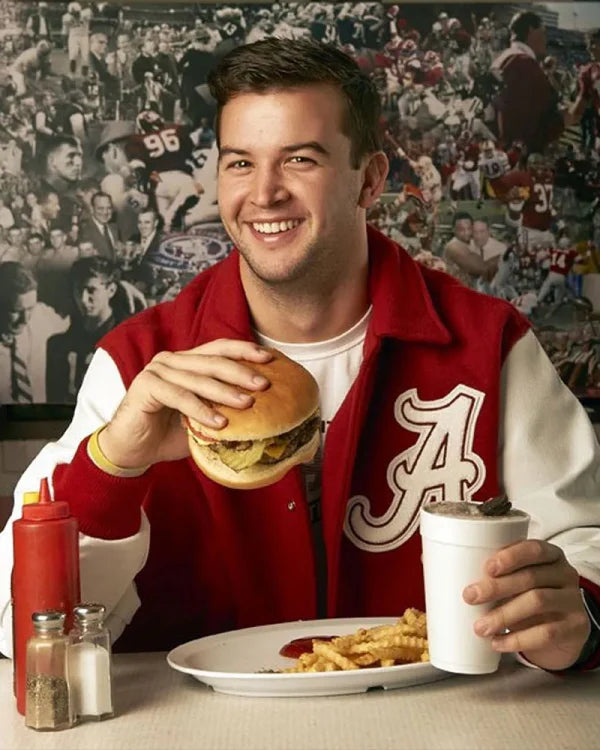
(259,475)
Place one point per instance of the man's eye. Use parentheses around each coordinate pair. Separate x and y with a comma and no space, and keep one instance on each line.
(301,160)
(239,164)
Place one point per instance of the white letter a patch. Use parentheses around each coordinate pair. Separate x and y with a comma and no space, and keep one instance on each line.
(440,466)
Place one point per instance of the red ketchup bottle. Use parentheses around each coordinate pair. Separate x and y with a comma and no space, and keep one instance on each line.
(45,573)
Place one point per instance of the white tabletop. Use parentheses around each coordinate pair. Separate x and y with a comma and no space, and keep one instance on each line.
(517,707)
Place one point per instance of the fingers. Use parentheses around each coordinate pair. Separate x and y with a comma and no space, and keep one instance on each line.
(535,603)
(554,635)
(202,385)
(553,575)
(191,382)
(218,368)
(163,393)
(521,554)
(233,349)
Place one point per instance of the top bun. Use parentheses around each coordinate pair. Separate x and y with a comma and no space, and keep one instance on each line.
(290,399)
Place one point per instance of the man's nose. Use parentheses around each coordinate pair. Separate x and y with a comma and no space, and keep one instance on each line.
(268,187)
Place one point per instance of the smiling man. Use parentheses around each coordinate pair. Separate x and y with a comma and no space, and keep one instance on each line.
(428,392)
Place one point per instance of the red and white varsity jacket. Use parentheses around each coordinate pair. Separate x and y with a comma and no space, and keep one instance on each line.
(454,401)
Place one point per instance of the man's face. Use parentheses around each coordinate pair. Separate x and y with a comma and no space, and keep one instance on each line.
(20,312)
(35,245)
(14,237)
(536,39)
(463,229)
(98,44)
(123,43)
(93,297)
(102,208)
(288,196)
(57,238)
(66,162)
(51,206)
(149,47)
(146,224)
(481,233)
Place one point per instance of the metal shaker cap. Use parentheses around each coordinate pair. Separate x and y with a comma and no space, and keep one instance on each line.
(89,612)
(48,619)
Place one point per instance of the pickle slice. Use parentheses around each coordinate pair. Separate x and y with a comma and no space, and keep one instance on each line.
(238,460)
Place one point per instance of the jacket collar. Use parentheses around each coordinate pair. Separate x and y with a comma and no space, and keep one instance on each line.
(402,305)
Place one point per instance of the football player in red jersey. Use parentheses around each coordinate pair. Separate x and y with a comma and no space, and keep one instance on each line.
(562,260)
(166,164)
(160,154)
(529,197)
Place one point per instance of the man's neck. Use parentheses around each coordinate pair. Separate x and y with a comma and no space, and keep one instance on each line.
(59,183)
(313,316)
(92,324)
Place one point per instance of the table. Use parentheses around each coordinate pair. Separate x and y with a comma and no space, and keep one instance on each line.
(517,707)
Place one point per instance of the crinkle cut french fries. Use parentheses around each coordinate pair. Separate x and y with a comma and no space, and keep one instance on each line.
(404,642)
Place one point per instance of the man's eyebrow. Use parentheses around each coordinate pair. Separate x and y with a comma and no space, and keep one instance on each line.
(307,145)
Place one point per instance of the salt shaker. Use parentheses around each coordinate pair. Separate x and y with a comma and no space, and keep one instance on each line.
(90,664)
(47,696)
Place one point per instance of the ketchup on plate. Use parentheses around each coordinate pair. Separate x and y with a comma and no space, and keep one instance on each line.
(294,649)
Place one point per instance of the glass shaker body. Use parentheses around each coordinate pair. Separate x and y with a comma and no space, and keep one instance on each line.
(47,698)
(90,664)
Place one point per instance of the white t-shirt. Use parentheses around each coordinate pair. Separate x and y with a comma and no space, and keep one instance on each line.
(334,364)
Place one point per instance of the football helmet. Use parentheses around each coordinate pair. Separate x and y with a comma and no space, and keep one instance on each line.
(148,121)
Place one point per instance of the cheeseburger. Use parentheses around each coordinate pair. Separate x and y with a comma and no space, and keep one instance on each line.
(261,443)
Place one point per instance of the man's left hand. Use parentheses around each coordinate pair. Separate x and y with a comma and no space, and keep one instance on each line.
(539,603)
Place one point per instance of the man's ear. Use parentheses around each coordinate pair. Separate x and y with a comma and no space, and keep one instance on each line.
(376,172)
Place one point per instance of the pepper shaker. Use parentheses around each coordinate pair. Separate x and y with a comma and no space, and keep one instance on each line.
(47,696)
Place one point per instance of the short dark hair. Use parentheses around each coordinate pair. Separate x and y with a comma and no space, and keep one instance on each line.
(15,280)
(35,236)
(521,24)
(100,194)
(56,141)
(459,216)
(94,267)
(279,64)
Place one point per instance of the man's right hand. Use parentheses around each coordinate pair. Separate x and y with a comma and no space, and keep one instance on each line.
(146,427)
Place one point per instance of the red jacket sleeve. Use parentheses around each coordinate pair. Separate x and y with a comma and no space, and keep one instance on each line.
(106,507)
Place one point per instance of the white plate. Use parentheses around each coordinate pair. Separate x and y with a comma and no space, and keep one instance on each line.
(230,662)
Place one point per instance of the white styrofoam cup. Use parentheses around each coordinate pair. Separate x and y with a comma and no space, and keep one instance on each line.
(455,550)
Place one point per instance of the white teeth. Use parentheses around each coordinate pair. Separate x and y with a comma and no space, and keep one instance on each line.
(275,227)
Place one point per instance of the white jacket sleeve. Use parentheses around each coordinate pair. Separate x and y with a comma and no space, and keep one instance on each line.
(100,394)
(549,457)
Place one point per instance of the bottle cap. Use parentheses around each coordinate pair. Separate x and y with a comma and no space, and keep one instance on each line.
(31,497)
(48,619)
(45,509)
(89,612)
